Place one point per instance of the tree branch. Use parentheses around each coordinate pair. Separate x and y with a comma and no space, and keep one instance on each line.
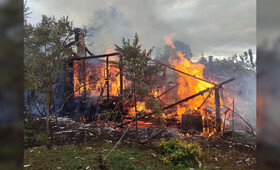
(67,98)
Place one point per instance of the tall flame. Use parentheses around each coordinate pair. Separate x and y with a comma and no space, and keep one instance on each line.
(188,85)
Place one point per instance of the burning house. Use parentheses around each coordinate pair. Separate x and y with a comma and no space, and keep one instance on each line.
(96,102)
(192,102)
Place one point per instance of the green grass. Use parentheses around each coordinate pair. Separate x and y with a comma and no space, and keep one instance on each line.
(133,158)
(58,156)
(80,157)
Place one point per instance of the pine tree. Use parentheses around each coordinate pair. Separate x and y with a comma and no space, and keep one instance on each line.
(45,53)
(135,61)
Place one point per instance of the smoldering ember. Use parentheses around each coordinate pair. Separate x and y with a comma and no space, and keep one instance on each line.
(129,109)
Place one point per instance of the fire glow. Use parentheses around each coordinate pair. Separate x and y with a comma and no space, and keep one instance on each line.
(95,78)
(189,85)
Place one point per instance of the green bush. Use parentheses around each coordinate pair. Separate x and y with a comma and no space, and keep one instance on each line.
(178,153)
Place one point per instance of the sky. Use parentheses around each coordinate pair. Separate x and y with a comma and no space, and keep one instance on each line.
(212,27)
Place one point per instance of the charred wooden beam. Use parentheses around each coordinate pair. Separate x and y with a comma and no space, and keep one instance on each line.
(89,52)
(107,78)
(218,108)
(156,61)
(225,82)
(168,90)
(206,98)
(96,56)
(188,98)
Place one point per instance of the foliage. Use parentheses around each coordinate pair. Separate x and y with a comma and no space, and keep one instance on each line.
(153,104)
(134,58)
(45,47)
(135,62)
(178,153)
(46,50)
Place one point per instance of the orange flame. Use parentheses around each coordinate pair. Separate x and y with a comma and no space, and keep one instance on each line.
(95,76)
(189,85)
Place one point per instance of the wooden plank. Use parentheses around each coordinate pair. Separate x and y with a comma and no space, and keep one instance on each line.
(192,122)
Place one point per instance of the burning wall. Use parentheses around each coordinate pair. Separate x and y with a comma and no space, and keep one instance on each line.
(94,77)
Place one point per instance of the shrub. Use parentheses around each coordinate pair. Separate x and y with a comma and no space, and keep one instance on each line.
(178,153)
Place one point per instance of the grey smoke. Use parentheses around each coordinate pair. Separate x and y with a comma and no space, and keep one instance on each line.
(217,27)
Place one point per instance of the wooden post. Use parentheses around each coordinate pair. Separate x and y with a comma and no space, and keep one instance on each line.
(135,103)
(165,77)
(107,78)
(218,104)
(121,81)
(84,77)
(224,126)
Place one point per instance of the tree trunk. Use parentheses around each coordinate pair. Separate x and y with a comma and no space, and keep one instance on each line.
(135,104)
(48,110)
